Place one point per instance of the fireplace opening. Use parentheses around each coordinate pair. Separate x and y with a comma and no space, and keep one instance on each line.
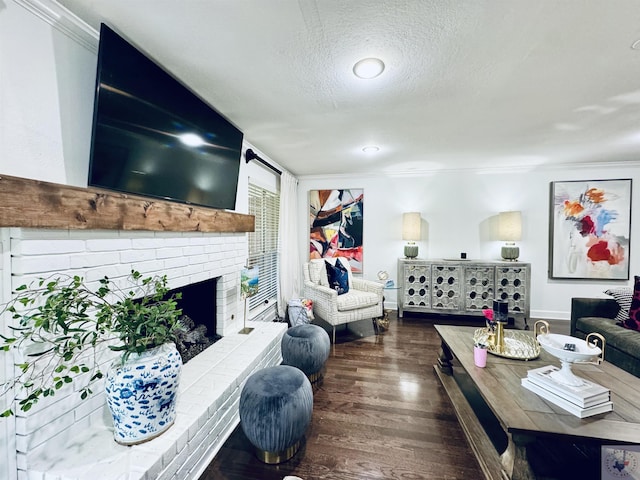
(198,304)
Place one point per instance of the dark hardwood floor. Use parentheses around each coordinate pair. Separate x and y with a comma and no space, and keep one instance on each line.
(380,413)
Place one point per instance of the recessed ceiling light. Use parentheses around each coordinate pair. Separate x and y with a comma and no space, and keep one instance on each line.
(368,68)
(370,149)
(636,45)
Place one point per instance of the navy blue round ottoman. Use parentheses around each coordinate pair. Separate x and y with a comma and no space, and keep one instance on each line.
(306,347)
(275,410)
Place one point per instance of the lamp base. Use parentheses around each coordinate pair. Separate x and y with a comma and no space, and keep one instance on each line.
(510,252)
(411,251)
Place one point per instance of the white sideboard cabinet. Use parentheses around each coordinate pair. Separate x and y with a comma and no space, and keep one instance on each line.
(464,287)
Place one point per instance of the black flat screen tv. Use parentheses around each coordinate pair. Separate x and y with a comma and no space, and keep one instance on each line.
(153,136)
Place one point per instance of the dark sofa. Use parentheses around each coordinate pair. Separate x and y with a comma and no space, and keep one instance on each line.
(597,315)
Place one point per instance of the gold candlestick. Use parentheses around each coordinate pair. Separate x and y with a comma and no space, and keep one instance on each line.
(499,337)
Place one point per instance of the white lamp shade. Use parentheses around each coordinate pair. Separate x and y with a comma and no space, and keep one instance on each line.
(411,223)
(510,226)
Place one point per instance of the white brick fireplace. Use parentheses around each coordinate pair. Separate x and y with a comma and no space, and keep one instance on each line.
(65,438)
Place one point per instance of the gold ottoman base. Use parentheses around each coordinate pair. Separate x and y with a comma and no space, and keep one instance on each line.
(273,458)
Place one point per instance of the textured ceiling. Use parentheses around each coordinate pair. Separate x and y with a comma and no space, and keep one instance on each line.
(469,84)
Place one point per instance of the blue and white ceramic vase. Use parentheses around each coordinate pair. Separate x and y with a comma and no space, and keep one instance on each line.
(142,394)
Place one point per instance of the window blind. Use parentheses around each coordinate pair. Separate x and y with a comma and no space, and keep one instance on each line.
(263,243)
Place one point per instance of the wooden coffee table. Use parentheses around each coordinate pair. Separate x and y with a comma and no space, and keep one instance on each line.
(524,416)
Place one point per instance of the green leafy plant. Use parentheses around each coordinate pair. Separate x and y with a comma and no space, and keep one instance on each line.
(61,322)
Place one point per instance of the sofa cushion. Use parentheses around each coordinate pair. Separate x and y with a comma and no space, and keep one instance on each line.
(604,326)
(623,296)
(338,277)
(624,340)
(355,299)
(596,315)
(633,322)
(616,337)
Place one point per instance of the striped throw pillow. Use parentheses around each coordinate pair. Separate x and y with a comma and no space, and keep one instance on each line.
(622,295)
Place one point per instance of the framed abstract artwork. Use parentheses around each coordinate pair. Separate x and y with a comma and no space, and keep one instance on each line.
(335,225)
(590,229)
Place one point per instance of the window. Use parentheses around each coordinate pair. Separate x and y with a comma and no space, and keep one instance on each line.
(263,243)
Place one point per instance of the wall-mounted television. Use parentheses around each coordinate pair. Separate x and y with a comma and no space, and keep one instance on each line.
(153,136)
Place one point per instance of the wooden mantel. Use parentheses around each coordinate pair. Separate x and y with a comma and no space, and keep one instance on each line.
(36,204)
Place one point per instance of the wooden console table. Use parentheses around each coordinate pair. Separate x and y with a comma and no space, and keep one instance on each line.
(524,416)
(464,287)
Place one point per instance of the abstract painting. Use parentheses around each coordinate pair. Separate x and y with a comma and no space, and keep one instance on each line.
(589,235)
(335,219)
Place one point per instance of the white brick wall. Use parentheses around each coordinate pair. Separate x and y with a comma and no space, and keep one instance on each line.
(184,258)
(7,426)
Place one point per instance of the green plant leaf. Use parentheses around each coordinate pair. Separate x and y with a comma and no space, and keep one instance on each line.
(63,317)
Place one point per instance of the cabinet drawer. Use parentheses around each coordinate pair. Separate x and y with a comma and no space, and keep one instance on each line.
(447,287)
(511,285)
(416,290)
(479,287)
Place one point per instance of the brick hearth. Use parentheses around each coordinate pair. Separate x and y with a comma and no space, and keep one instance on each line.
(207,414)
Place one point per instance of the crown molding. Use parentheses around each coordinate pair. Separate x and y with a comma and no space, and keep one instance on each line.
(64,21)
(480,171)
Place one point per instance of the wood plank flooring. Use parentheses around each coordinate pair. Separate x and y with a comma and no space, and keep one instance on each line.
(380,413)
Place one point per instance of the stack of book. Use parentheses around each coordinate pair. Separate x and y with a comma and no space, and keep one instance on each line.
(582,401)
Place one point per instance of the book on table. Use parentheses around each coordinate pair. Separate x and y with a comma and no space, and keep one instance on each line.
(570,407)
(585,395)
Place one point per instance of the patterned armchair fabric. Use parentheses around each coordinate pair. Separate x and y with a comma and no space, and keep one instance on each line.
(362,301)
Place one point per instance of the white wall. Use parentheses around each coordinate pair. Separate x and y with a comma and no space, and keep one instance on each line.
(459,211)
(46,100)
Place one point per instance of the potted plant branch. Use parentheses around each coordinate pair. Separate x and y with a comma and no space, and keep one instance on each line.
(62,324)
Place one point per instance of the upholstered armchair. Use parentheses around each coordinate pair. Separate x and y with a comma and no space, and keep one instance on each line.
(363,300)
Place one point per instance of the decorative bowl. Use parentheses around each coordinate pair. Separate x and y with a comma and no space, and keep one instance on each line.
(569,350)
(555,344)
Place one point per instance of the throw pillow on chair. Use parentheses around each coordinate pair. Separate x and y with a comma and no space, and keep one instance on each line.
(338,277)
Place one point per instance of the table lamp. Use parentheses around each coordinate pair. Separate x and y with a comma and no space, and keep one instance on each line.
(510,231)
(411,232)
